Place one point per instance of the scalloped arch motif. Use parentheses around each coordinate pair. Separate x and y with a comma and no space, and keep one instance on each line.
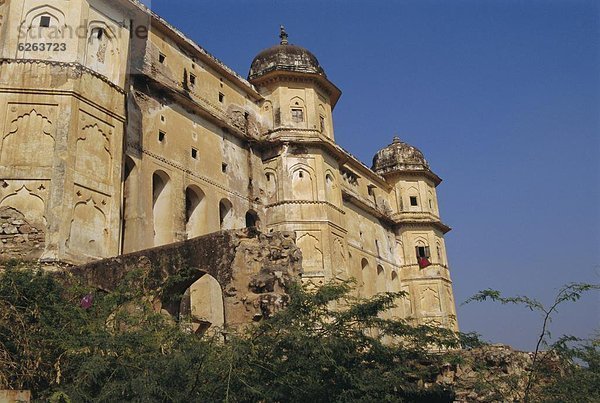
(93,156)
(28,133)
(89,230)
(27,203)
(312,255)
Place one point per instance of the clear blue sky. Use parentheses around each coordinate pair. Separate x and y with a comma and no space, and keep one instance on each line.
(502,97)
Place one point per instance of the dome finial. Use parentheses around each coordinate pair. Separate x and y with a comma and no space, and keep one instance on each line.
(283,35)
(396,140)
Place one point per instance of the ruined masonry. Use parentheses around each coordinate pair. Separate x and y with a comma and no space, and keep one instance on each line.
(119,135)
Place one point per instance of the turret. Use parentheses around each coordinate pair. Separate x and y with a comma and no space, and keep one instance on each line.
(298,94)
(419,231)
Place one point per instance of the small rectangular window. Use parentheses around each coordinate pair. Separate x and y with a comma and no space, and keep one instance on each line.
(322,120)
(161,58)
(221,97)
(161,136)
(224,167)
(192,79)
(99,33)
(414,201)
(44,21)
(297,115)
(194,153)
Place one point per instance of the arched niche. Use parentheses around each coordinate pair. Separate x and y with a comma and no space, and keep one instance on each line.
(27,135)
(302,182)
(225,214)
(366,277)
(332,192)
(312,254)
(381,284)
(89,230)
(162,208)
(271,185)
(93,154)
(130,204)
(102,54)
(195,217)
(29,204)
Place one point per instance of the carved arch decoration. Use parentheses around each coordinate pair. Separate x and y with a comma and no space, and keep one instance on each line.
(430,299)
(303,182)
(339,260)
(27,135)
(93,154)
(312,253)
(31,32)
(57,16)
(89,234)
(407,304)
(28,203)
(102,51)
(331,188)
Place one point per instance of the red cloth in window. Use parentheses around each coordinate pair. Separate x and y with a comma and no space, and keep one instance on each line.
(424,262)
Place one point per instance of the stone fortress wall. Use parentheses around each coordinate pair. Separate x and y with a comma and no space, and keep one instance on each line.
(133,137)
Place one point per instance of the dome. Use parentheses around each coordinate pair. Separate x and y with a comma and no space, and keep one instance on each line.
(399,156)
(285,57)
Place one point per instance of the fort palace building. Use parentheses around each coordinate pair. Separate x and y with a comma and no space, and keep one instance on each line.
(119,134)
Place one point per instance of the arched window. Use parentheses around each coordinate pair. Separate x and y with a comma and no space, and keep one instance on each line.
(161,208)
(252,219)
(225,214)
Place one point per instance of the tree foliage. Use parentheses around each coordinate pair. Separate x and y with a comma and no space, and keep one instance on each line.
(120,349)
(580,362)
(325,346)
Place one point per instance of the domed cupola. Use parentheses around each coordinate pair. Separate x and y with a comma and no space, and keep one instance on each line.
(399,156)
(284,57)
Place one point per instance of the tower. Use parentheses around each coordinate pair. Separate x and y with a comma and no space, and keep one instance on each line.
(419,232)
(63,70)
(303,194)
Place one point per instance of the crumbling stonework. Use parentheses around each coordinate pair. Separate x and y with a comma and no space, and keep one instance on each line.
(19,239)
(254,272)
(494,373)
